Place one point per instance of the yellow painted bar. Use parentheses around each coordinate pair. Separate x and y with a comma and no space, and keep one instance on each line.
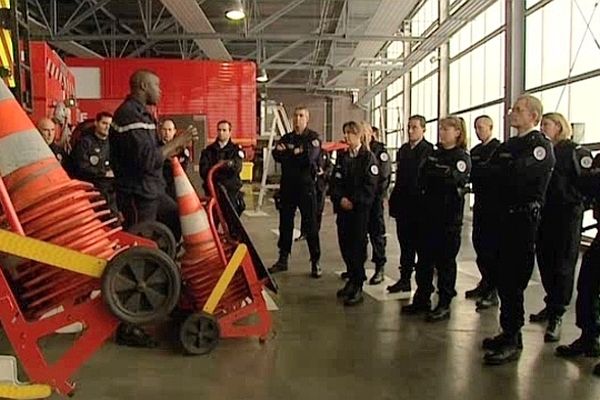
(34,391)
(51,254)
(225,279)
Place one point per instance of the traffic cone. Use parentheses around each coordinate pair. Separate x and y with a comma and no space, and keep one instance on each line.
(49,206)
(198,239)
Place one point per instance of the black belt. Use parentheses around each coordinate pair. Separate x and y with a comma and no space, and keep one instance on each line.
(534,206)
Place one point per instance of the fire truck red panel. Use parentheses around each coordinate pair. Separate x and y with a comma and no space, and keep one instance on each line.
(218,90)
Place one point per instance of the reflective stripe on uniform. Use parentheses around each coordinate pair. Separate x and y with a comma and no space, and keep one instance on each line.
(194,223)
(21,149)
(130,127)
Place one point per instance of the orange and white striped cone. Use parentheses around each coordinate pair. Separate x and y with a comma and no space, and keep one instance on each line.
(198,239)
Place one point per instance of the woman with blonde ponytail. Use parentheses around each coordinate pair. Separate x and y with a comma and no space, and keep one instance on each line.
(445,175)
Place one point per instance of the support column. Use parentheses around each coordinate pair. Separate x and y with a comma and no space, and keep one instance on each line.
(406,92)
(444,65)
(514,72)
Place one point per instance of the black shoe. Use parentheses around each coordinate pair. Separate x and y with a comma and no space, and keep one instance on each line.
(315,270)
(552,334)
(354,297)
(300,238)
(280,266)
(596,370)
(488,300)
(476,292)
(416,308)
(345,275)
(584,346)
(377,277)
(403,285)
(345,291)
(541,316)
(133,336)
(498,341)
(503,355)
(440,313)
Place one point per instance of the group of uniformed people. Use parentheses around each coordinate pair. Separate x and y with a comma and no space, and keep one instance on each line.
(128,161)
(530,193)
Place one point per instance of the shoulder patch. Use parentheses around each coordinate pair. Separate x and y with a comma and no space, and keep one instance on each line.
(539,153)
(384,157)
(586,162)
(241,154)
(461,166)
(374,169)
(94,160)
(316,143)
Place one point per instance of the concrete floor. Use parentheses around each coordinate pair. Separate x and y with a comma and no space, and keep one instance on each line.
(321,350)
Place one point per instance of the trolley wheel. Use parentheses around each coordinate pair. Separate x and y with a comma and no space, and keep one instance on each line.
(199,333)
(141,285)
(159,234)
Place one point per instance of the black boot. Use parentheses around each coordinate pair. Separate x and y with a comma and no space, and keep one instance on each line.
(355,295)
(477,291)
(506,353)
(315,270)
(488,299)
(496,342)
(440,313)
(280,265)
(402,286)
(541,316)
(377,278)
(134,336)
(343,292)
(416,307)
(552,334)
(586,345)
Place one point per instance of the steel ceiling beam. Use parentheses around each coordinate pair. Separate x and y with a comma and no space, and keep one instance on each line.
(194,21)
(85,15)
(285,72)
(298,66)
(283,37)
(275,16)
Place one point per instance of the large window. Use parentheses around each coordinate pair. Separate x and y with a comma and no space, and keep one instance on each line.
(562,42)
(427,15)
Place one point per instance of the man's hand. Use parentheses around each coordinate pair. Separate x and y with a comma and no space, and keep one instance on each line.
(280,147)
(346,204)
(298,150)
(176,145)
(110,174)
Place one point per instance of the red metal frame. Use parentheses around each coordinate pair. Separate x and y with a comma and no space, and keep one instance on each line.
(233,307)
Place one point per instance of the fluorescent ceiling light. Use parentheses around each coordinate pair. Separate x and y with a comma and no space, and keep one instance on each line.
(236,11)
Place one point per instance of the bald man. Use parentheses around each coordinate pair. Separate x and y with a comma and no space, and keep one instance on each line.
(166,135)
(47,129)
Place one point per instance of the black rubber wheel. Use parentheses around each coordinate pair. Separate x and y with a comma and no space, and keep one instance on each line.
(141,285)
(199,333)
(159,234)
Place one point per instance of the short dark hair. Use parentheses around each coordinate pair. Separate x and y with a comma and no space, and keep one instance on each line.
(103,114)
(224,121)
(167,120)
(420,118)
